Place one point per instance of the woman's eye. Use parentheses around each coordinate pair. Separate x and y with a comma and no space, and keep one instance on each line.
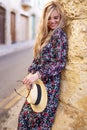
(56,17)
(49,18)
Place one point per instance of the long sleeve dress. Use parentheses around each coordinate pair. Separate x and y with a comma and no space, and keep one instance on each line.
(51,61)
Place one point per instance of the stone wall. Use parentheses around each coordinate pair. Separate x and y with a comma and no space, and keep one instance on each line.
(72,110)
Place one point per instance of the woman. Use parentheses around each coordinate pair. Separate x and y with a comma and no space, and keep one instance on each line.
(49,59)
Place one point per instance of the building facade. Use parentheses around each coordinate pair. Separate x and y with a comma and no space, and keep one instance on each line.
(18,20)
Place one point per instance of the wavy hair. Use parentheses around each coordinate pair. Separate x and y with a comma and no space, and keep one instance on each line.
(44,33)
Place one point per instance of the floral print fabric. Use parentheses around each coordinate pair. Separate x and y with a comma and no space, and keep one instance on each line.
(51,61)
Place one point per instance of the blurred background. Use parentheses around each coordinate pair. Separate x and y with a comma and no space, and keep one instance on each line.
(19,21)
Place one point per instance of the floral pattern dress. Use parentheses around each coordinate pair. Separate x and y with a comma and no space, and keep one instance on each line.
(51,61)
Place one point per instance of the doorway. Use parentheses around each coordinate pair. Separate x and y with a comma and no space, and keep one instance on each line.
(2,25)
(13,27)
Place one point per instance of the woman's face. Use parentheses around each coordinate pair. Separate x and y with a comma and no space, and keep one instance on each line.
(53,20)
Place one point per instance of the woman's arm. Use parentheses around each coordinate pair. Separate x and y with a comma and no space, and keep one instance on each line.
(57,55)
(33,67)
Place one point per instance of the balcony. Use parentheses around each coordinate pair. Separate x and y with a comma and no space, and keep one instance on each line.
(26,4)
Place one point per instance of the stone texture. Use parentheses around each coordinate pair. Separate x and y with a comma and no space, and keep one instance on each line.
(75,8)
(72,110)
(70,118)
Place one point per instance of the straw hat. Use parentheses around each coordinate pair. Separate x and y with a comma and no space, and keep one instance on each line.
(38,96)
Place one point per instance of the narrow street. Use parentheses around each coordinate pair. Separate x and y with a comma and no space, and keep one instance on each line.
(13,67)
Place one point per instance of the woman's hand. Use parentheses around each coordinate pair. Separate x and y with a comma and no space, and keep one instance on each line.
(30,79)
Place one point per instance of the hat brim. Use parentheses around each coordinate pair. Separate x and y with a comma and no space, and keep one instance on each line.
(43,102)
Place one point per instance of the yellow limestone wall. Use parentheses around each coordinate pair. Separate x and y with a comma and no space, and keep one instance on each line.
(72,110)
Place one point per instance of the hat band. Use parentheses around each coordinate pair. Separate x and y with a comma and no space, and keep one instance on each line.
(39,94)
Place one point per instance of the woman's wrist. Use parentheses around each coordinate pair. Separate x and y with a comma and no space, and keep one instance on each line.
(39,76)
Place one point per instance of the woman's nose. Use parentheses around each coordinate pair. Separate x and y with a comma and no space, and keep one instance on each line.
(52,20)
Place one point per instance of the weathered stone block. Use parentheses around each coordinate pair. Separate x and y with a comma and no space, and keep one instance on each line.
(70,118)
(72,110)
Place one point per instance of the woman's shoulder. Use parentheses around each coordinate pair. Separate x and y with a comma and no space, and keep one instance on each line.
(59,32)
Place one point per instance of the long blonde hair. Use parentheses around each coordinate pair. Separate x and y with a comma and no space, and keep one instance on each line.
(44,33)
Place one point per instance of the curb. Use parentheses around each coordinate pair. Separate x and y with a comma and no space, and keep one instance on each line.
(7,49)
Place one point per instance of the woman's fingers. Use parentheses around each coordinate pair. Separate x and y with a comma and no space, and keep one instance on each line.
(29,87)
(26,80)
(30,79)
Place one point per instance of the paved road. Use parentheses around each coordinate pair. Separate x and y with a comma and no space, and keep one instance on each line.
(12,68)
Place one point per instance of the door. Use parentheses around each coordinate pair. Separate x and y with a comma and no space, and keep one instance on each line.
(33,26)
(2,25)
(24,28)
(13,27)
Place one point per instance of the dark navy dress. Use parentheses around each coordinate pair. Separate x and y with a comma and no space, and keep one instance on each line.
(51,61)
